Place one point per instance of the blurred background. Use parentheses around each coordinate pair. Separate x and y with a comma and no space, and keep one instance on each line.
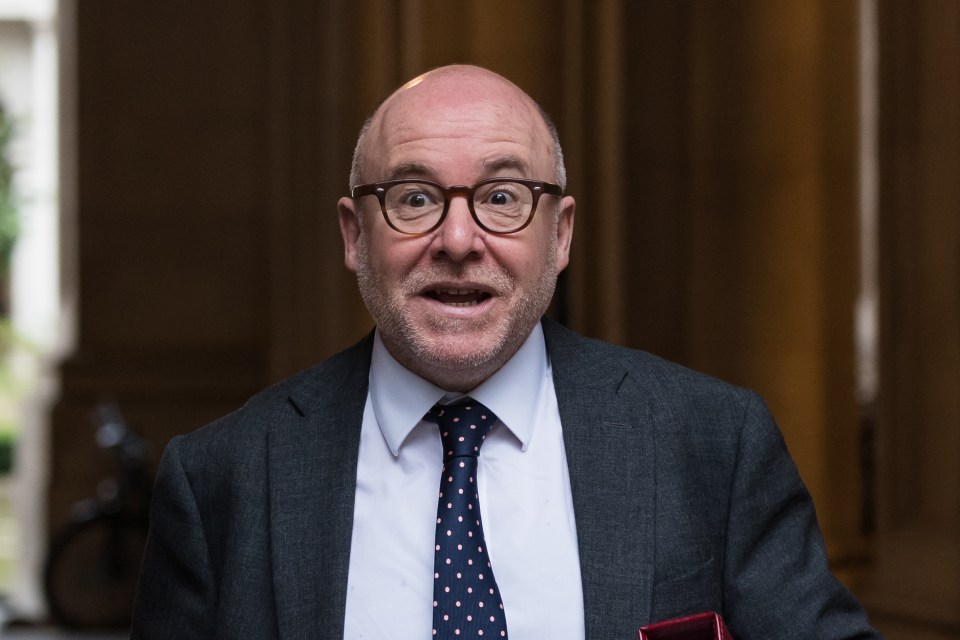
(768,191)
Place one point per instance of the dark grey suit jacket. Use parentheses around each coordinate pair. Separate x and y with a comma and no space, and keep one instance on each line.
(686,500)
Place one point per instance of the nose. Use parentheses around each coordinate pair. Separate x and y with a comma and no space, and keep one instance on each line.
(458,238)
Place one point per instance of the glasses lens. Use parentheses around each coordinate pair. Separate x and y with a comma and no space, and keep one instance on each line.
(413,206)
(503,205)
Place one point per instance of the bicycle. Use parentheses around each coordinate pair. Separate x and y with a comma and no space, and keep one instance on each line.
(93,562)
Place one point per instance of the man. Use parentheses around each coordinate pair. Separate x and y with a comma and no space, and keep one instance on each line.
(615,489)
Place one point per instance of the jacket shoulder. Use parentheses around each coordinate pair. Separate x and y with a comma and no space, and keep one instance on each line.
(593,362)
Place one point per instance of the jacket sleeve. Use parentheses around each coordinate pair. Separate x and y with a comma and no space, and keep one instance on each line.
(777,580)
(177,593)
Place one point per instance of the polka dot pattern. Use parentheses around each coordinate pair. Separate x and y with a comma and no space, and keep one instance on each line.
(466,599)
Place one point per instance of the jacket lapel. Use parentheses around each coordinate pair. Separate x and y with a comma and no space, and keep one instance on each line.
(611,454)
(312,476)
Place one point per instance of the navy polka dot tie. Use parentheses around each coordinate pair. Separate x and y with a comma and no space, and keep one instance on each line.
(466,600)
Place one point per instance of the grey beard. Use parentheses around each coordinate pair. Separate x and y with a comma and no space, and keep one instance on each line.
(416,351)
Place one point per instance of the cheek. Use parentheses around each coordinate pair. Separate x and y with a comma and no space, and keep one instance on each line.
(529,261)
(541,251)
(390,258)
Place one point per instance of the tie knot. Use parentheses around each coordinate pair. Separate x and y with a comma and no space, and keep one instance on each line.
(463,427)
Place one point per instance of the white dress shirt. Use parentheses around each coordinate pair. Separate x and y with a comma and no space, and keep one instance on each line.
(525,501)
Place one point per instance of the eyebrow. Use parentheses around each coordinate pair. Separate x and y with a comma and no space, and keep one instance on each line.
(505,162)
(489,167)
(411,170)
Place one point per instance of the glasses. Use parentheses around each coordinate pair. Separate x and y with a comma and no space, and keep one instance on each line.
(498,205)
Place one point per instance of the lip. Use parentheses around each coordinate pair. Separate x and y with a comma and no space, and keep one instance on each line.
(458,298)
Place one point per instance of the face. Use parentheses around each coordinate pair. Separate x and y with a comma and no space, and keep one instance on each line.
(455,304)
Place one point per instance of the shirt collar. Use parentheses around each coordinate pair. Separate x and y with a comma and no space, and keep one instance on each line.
(400,398)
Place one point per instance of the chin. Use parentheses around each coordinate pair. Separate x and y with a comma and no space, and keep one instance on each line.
(455,359)
(467,348)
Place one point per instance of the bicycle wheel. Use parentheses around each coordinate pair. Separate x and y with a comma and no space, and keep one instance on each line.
(92,570)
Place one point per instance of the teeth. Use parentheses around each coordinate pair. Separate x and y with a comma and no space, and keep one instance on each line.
(457,297)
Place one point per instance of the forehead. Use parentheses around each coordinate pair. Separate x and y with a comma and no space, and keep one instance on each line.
(460,124)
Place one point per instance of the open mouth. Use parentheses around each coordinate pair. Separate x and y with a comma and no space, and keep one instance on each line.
(458,297)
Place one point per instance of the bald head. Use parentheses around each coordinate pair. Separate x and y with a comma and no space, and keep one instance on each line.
(451,88)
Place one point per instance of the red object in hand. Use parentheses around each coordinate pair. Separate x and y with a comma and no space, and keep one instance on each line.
(702,626)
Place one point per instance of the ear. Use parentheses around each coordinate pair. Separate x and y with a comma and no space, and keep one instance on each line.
(349,230)
(565,231)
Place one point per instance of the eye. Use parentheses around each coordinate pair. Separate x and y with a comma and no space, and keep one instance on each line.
(416,199)
(500,196)
(413,197)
